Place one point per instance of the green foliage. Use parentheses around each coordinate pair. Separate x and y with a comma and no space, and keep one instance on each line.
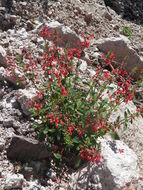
(127,31)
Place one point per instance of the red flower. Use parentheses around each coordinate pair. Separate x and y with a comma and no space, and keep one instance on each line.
(64,91)
(81,132)
(87,43)
(71,129)
(117,102)
(94,128)
(38,106)
(121,150)
(98,158)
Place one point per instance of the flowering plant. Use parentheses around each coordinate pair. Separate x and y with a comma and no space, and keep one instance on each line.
(72,112)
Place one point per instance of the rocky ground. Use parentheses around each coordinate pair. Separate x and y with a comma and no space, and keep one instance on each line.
(130,10)
(20,21)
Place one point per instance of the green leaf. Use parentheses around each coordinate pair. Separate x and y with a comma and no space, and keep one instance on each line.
(128,111)
(125,115)
(57,156)
(18,58)
(125,127)
(51,130)
(58,136)
(110,88)
(75,140)
(45,131)
(77,162)
(115,136)
(118,119)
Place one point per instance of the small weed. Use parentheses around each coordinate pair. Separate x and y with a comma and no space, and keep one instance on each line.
(127,31)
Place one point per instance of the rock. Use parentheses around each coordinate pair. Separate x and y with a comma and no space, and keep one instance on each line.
(88,18)
(33,185)
(17,78)
(14,79)
(40,42)
(96,56)
(2,56)
(14,18)
(24,4)
(24,149)
(30,25)
(40,167)
(22,33)
(118,169)
(51,174)
(23,96)
(122,51)
(14,181)
(132,136)
(5,75)
(107,15)
(2,73)
(2,144)
(6,3)
(128,9)
(2,10)
(7,21)
(27,172)
(5,43)
(16,124)
(83,66)
(8,122)
(68,38)
(117,5)
(11,32)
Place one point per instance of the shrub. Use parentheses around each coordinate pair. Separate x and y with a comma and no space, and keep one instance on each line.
(72,112)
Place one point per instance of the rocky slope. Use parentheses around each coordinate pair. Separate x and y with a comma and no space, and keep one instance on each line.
(129,9)
(20,21)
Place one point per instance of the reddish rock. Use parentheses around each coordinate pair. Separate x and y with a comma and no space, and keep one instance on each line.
(25,149)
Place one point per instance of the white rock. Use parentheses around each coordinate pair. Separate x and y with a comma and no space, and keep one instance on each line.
(23,96)
(23,3)
(122,165)
(2,56)
(2,73)
(33,185)
(13,181)
(96,55)
(122,51)
(22,34)
(115,170)
(83,66)
(6,105)
(11,32)
(133,135)
(91,72)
